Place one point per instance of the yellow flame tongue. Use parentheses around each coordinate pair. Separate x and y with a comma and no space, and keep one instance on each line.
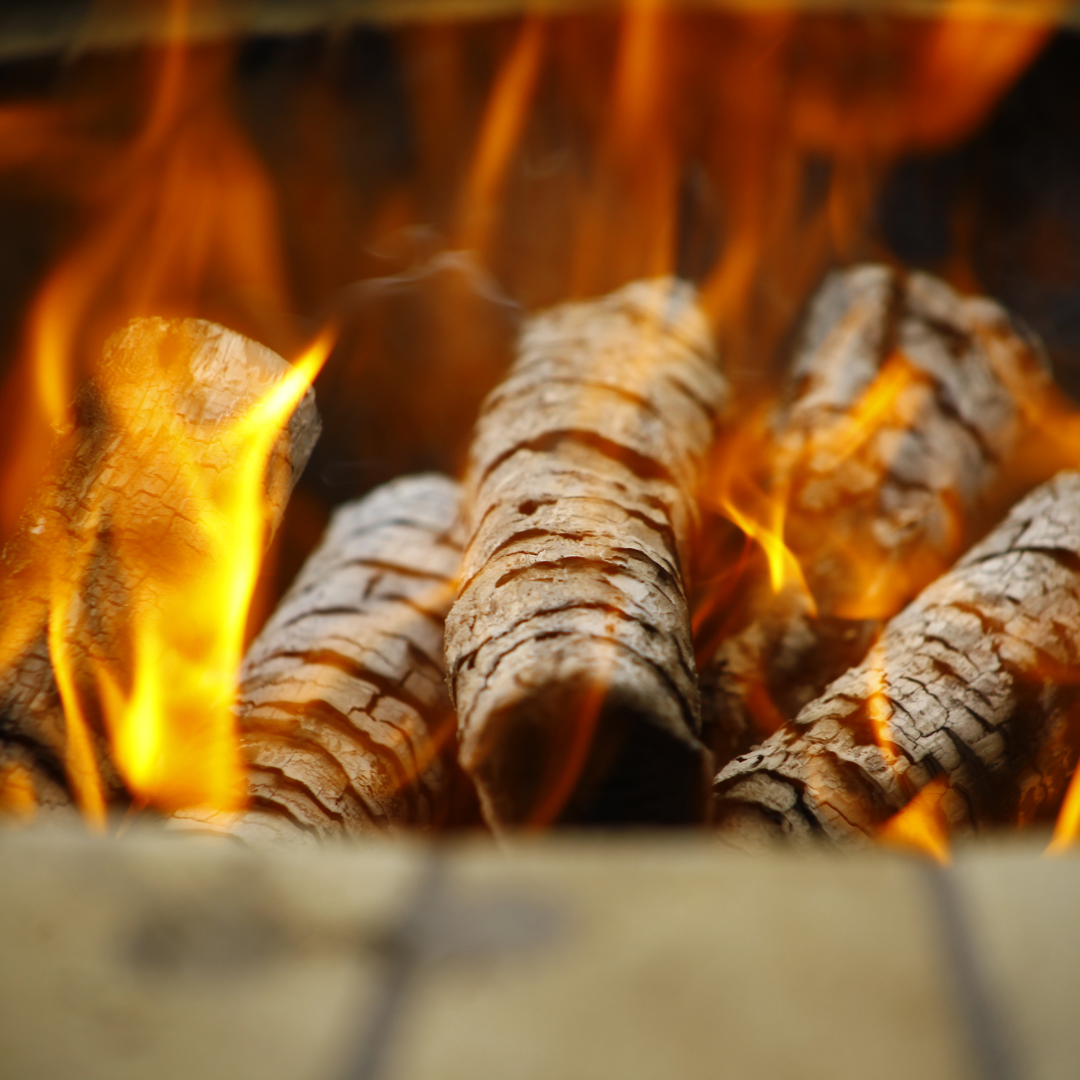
(921,824)
(167,697)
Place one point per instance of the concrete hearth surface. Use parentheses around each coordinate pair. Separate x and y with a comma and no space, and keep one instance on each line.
(649,958)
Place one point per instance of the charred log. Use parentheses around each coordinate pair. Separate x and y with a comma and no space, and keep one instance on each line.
(975,684)
(112,485)
(904,412)
(568,649)
(344,715)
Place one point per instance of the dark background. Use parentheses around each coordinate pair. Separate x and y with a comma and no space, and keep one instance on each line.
(365,185)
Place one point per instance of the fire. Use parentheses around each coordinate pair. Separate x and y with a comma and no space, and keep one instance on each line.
(761,508)
(152,566)
(794,118)
(17,792)
(178,218)
(500,134)
(80,760)
(876,587)
(921,825)
(736,490)
(1067,826)
(636,176)
(854,428)
(173,734)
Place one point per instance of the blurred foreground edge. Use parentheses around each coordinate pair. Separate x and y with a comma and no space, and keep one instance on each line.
(578,957)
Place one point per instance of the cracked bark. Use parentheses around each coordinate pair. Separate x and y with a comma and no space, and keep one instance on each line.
(976,683)
(111,487)
(904,409)
(344,714)
(568,650)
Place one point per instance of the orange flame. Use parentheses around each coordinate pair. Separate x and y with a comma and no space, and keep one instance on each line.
(80,760)
(878,402)
(875,586)
(17,797)
(735,491)
(173,736)
(921,824)
(1067,825)
(500,133)
(761,510)
(179,218)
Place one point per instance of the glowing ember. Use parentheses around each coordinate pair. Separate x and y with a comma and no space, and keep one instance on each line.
(17,792)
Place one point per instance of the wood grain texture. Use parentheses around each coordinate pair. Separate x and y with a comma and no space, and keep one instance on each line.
(976,683)
(568,649)
(343,709)
(111,489)
(903,412)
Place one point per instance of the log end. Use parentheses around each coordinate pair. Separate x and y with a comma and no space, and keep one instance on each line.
(576,751)
(761,810)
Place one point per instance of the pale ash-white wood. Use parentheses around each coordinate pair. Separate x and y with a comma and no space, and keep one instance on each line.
(111,489)
(343,710)
(975,682)
(568,650)
(903,412)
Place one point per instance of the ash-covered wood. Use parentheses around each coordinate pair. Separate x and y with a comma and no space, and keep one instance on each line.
(976,682)
(344,714)
(568,649)
(114,487)
(904,412)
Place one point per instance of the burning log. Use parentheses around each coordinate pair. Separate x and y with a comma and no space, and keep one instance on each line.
(906,407)
(975,684)
(153,423)
(568,650)
(343,708)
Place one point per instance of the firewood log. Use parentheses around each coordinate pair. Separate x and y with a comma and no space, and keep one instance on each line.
(976,683)
(111,485)
(344,714)
(568,650)
(904,408)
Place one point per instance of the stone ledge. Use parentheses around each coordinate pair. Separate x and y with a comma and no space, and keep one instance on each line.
(646,958)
